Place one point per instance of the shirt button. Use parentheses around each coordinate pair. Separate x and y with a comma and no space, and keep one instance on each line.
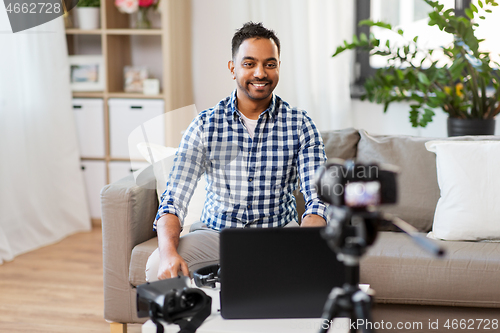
(250,179)
(249,206)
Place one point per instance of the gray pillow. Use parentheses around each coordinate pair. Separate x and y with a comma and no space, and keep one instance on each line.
(339,144)
(418,191)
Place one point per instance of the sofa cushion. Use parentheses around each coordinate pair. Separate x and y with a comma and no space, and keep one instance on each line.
(418,191)
(401,272)
(138,260)
(341,144)
(468,180)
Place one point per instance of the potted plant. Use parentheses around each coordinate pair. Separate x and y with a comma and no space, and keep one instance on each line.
(88,14)
(463,81)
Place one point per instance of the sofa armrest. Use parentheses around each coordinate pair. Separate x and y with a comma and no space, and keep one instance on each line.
(128,211)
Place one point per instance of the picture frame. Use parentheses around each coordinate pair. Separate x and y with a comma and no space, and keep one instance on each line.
(86,72)
(134,77)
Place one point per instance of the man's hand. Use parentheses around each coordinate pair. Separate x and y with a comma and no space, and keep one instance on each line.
(171,263)
(171,266)
(313,220)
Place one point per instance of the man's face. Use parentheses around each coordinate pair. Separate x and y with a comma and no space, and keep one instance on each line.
(256,68)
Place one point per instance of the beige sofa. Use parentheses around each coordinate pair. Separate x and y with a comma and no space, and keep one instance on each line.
(410,285)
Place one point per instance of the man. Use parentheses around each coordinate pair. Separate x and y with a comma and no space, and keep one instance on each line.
(252,147)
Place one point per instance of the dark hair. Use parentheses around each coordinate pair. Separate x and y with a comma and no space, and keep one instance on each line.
(252,30)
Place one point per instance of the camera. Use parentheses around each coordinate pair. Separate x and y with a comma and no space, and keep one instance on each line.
(356,185)
(172,301)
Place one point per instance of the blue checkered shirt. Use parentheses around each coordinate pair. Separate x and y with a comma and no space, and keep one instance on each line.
(250,181)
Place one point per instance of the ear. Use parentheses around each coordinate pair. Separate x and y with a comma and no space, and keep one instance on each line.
(230,66)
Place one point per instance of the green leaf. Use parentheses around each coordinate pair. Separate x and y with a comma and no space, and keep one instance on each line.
(469,13)
(414,117)
(415,39)
(355,39)
(448,12)
(474,8)
(381,53)
(400,32)
(399,74)
(480,3)
(423,78)
(371,23)
(339,49)
(363,37)
(386,106)
(426,117)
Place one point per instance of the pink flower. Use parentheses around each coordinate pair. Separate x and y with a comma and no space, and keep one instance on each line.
(127,6)
(146,3)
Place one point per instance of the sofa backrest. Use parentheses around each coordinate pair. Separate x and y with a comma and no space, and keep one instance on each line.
(418,190)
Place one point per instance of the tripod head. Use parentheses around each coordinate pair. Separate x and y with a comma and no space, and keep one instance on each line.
(350,240)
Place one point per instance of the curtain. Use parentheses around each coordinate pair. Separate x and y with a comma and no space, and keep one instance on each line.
(309,32)
(42,195)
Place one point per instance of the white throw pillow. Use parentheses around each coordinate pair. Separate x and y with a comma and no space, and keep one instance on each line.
(163,158)
(468,176)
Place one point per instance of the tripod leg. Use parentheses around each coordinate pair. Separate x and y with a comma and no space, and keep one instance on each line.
(362,306)
(331,309)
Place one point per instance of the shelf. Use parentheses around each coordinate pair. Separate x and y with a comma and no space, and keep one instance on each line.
(128,32)
(159,49)
(120,159)
(147,32)
(133,95)
(73,31)
(88,94)
(83,158)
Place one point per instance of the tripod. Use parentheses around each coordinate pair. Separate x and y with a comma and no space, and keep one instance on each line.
(350,242)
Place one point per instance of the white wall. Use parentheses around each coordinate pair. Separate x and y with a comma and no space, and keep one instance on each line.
(212,33)
(213,28)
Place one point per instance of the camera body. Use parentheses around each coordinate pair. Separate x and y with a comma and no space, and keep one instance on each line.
(356,185)
(171,300)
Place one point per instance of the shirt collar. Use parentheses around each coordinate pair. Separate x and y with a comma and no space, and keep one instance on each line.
(233,110)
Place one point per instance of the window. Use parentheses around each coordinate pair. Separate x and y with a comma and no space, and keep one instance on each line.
(410,15)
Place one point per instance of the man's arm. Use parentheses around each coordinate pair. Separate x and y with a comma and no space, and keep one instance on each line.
(171,263)
(311,155)
(187,168)
(313,220)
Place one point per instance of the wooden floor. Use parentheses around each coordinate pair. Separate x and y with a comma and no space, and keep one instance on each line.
(58,288)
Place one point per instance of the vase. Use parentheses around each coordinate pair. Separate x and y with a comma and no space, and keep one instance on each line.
(459,127)
(143,21)
(88,18)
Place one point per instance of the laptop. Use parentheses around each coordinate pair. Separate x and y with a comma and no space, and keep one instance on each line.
(276,273)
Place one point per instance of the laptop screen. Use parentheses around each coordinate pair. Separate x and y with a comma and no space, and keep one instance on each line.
(276,273)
